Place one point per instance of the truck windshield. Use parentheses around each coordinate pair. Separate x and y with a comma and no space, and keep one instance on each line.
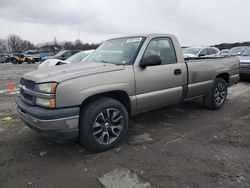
(117,51)
(191,50)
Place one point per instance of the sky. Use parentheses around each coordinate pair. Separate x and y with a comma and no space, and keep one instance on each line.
(194,22)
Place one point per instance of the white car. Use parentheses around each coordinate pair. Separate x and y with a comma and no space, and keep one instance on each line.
(76,58)
(201,52)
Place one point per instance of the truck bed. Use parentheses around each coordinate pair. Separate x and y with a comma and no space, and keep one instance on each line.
(202,71)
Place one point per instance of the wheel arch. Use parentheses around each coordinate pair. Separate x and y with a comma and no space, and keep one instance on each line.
(224,76)
(118,95)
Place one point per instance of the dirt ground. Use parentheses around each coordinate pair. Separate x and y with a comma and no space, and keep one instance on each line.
(203,148)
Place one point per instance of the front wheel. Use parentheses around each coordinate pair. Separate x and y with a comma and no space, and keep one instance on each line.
(103,124)
(216,98)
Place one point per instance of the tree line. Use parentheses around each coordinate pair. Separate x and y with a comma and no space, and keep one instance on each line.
(15,44)
(231,45)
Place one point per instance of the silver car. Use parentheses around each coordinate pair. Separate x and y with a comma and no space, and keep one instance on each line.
(194,52)
(245,63)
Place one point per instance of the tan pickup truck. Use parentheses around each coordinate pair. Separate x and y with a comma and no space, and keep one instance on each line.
(125,76)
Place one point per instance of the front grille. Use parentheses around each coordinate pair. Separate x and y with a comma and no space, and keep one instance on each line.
(28,84)
(27,97)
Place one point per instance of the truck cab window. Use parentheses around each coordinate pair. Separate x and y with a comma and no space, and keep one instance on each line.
(162,47)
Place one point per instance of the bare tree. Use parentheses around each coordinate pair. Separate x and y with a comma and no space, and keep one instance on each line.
(3,45)
(27,45)
(15,43)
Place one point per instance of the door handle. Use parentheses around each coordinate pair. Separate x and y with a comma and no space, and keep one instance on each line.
(177,71)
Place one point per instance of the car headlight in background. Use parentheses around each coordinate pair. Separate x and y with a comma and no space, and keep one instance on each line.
(47,89)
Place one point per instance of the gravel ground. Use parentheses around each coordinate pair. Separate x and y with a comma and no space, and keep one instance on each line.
(184,145)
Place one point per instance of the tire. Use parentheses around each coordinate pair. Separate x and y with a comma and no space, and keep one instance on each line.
(14,61)
(98,130)
(216,98)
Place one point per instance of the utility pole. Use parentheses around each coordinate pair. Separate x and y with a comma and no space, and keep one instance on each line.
(79,33)
(55,42)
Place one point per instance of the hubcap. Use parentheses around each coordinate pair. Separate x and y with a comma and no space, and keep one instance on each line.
(220,93)
(108,126)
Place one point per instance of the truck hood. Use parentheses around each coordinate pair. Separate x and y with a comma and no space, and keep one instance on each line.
(70,71)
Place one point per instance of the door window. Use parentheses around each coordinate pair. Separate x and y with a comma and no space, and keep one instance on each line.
(164,48)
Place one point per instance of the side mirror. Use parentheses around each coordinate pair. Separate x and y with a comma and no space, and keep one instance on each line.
(63,56)
(151,60)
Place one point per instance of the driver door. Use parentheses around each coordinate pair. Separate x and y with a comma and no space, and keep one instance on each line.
(160,85)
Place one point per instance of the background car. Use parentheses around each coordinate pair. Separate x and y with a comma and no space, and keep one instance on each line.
(32,56)
(225,52)
(245,63)
(201,52)
(76,58)
(4,58)
(17,58)
(237,50)
(62,55)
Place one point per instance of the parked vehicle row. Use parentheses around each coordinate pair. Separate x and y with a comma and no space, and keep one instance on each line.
(194,52)
(62,55)
(243,53)
(33,56)
(125,76)
(76,58)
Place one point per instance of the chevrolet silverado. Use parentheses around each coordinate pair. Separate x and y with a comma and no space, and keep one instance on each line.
(92,101)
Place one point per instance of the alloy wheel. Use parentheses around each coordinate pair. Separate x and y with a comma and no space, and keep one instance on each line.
(108,126)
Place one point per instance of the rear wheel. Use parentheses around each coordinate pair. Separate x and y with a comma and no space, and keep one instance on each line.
(216,98)
(103,124)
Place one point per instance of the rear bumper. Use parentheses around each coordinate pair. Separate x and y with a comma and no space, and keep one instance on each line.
(57,124)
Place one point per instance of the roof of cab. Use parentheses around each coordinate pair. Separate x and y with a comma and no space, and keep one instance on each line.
(151,35)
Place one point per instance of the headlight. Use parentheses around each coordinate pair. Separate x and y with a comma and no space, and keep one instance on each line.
(45,98)
(49,103)
(47,88)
